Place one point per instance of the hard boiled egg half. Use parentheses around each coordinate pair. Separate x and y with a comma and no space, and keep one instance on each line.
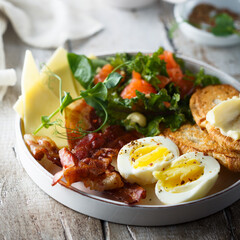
(138,159)
(187,178)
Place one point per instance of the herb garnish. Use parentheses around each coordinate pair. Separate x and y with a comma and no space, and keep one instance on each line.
(224,25)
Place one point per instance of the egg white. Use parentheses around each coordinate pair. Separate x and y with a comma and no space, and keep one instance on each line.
(191,190)
(144,175)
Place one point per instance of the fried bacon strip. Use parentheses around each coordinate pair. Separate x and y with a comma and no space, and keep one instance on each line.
(114,137)
(41,146)
(93,172)
(130,193)
(79,115)
(90,160)
(98,174)
(107,181)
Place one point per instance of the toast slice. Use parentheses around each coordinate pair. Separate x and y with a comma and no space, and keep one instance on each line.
(190,138)
(202,101)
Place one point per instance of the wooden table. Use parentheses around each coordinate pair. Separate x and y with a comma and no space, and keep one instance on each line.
(26,212)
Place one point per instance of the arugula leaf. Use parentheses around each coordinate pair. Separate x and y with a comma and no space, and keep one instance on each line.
(119,59)
(82,69)
(204,80)
(116,103)
(155,102)
(152,128)
(112,80)
(174,102)
(116,117)
(138,63)
(174,121)
(171,89)
(149,66)
(224,25)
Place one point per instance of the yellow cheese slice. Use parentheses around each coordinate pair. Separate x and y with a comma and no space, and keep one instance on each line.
(37,100)
(18,106)
(58,64)
(40,101)
(30,73)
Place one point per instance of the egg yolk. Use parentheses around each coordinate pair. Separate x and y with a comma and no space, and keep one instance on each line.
(149,155)
(180,173)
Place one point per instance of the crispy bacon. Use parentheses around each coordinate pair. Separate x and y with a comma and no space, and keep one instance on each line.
(130,193)
(86,146)
(98,174)
(107,181)
(114,137)
(41,146)
(79,115)
(85,169)
(105,153)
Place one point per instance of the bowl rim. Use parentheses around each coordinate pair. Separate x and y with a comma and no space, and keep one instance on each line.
(19,133)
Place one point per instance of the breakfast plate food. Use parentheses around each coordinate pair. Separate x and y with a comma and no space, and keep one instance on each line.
(114,137)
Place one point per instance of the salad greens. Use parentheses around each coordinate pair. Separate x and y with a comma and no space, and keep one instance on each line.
(205,79)
(82,69)
(165,108)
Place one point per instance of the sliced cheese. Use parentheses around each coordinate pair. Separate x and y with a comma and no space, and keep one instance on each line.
(58,64)
(18,106)
(30,73)
(40,101)
(37,100)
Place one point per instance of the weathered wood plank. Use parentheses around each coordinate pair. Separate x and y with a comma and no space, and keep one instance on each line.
(232,215)
(213,227)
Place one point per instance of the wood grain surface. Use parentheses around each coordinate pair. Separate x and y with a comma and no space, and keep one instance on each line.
(26,212)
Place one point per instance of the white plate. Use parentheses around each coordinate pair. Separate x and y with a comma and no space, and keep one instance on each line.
(183,10)
(225,192)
